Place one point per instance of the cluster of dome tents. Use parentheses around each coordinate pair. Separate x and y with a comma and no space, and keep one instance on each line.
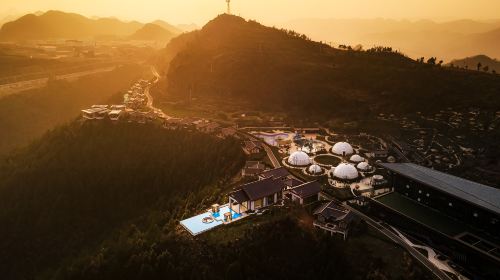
(344,171)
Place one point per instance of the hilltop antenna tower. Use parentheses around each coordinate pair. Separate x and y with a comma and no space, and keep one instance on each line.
(228,7)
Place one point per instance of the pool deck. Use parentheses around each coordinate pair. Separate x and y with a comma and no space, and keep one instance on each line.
(196,226)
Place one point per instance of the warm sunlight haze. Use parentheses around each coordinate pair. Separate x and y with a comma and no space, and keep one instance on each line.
(250,139)
(268,11)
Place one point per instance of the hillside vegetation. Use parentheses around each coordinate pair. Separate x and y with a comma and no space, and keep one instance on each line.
(27,115)
(275,69)
(79,184)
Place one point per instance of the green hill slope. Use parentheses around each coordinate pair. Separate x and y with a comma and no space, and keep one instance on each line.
(67,192)
(273,69)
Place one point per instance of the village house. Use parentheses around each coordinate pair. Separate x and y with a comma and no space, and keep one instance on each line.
(253,147)
(256,195)
(228,132)
(278,173)
(303,194)
(209,127)
(334,218)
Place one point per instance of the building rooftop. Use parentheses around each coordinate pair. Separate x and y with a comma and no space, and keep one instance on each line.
(250,145)
(275,173)
(258,189)
(292,182)
(307,189)
(332,210)
(472,192)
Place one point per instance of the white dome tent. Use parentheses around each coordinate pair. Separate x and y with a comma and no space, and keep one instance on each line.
(343,149)
(357,158)
(315,169)
(299,158)
(345,171)
(364,166)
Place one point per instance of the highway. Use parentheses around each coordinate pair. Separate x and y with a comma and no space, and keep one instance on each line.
(12,88)
(150,97)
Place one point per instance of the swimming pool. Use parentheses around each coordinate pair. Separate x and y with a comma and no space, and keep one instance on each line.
(195,225)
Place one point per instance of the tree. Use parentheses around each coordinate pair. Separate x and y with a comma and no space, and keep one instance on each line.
(479,65)
(486,68)
(432,61)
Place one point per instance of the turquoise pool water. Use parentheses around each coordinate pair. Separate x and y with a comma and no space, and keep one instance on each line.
(196,226)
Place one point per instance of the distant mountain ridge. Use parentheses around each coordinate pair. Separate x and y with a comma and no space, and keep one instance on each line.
(474,61)
(446,40)
(167,26)
(62,25)
(152,32)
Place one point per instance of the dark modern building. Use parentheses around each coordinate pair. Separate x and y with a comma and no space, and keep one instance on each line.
(472,203)
(458,217)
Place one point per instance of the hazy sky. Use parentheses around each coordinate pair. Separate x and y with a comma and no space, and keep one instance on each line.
(266,11)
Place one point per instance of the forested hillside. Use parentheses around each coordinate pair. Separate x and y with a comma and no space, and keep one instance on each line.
(276,69)
(76,186)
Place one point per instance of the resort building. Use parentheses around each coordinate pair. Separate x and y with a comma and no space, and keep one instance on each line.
(303,194)
(363,166)
(228,132)
(334,218)
(315,169)
(278,173)
(252,169)
(356,159)
(299,158)
(345,171)
(342,149)
(291,182)
(172,123)
(208,127)
(256,195)
(381,153)
(115,115)
(253,147)
(460,216)
(94,113)
(467,201)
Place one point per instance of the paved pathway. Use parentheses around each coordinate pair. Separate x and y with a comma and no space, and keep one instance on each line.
(270,154)
(389,234)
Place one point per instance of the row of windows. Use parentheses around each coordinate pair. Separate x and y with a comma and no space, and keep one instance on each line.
(450,204)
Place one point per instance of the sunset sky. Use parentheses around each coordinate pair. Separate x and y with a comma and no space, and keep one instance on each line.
(267,11)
